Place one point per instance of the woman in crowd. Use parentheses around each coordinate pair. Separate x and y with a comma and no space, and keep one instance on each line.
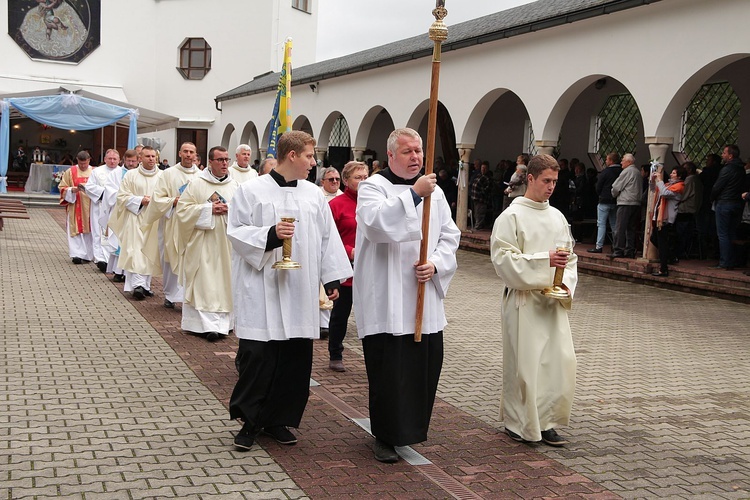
(665,213)
(344,209)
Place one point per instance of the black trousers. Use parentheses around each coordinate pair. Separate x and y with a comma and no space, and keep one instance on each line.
(274,382)
(662,239)
(403,376)
(342,308)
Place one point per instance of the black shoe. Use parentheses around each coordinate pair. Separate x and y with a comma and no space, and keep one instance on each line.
(514,436)
(148,293)
(594,250)
(630,255)
(118,278)
(662,274)
(102,266)
(384,452)
(77,260)
(674,261)
(168,304)
(213,336)
(245,438)
(281,434)
(139,293)
(552,438)
(336,365)
(616,255)
(324,333)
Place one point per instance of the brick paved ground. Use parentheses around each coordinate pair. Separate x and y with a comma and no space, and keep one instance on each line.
(661,407)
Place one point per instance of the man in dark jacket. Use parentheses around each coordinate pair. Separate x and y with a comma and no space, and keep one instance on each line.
(706,215)
(607,207)
(727,197)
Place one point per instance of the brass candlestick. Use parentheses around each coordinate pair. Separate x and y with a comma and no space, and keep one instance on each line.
(286,261)
(564,243)
(556,291)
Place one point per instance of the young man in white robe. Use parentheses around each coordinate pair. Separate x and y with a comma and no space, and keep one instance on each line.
(206,265)
(110,242)
(78,205)
(276,310)
(241,170)
(127,222)
(170,186)
(539,363)
(95,188)
(402,374)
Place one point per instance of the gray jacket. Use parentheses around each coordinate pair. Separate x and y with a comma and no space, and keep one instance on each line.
(627,187)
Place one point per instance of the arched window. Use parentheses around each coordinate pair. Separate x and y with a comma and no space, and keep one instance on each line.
(710,121)
(617,125)
(195,58)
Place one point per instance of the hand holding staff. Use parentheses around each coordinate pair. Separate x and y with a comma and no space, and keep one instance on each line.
(438,33)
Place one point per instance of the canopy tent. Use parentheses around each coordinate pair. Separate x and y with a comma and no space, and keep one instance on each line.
(72,111)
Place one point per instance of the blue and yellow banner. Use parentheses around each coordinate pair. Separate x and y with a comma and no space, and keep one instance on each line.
(281,118)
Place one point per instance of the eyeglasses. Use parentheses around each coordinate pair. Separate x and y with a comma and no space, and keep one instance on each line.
(221,159)
(333,179)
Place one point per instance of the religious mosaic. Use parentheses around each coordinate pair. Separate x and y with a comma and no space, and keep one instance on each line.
(55,30)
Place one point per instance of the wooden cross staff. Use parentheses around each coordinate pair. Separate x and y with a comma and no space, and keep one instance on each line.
(438,33)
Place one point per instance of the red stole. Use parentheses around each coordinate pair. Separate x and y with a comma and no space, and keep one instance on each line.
(77,181)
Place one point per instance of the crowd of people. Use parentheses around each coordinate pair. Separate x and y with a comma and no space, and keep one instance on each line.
(222,237)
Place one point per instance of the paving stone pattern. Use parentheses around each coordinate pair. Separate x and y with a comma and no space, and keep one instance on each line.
(136,408)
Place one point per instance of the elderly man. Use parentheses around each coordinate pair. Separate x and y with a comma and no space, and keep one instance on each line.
(726,195)
(627,189)
(207,260)
(267,165)
(241,170)
(403,375)
(95,189)
(166,195)
(330,183)
(127,221)
(276,310)
(539,363)
(78,223)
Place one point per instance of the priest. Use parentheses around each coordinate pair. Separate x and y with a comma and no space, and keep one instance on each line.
(110,242)
(276,310)
(78,223)
(127,221)
(539,364)
(402,374)
(241,169)
(201,216)
(95,188)
(170,186)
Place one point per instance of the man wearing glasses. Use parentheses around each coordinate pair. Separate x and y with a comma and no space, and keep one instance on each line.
(330,183)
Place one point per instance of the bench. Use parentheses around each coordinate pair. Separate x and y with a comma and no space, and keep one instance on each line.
(17,178)
(12,209)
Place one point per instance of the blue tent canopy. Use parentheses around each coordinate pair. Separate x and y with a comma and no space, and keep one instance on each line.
(67,111)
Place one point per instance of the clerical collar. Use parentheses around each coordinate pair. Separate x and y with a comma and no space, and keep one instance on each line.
(281,181)
(395,179)
(219,179)
(188,170)
(146,172)
(241,169)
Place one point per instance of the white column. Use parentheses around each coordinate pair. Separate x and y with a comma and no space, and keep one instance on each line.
(545,147)
(358,153)
(462,204)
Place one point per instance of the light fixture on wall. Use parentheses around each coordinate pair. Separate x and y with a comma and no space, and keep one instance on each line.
(600,83)
(314,87)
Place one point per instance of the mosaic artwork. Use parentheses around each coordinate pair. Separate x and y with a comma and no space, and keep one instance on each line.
(58,30)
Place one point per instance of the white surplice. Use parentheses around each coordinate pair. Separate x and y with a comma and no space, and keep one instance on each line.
(206,255)
(110,242)
(272,304)
(127,221)
(95,189)
(539,363)
(389,233)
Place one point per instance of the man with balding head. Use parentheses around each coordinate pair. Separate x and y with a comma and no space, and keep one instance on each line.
(627,189)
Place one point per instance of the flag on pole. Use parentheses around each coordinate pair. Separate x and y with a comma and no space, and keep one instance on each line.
(281,118)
